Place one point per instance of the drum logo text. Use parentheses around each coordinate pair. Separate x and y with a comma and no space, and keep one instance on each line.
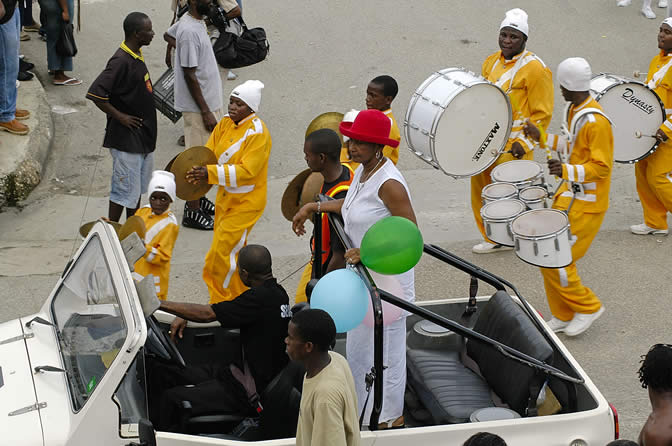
(486,142)
(629,96)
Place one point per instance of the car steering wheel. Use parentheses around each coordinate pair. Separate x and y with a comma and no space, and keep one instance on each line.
(161,344)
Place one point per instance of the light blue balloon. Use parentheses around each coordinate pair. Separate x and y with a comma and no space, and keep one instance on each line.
(343,295)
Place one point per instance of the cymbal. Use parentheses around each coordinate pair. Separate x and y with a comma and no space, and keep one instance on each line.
(170,163)
(86,227)
(300,191)
(329,120)
(193,156)
(131,225)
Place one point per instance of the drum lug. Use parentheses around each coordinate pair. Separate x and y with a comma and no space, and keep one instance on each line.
(557,244)
(424,132)
(508,230)
(413,126)
(516,244)
(488,232)
(536,248)
(460,84)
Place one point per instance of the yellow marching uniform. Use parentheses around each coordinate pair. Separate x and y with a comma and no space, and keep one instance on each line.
(391,152)
(242,152)
(590,165)
(654,173)
(529,85)
(160,236)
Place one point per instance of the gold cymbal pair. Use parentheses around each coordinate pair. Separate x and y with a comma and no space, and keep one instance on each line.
(182,163)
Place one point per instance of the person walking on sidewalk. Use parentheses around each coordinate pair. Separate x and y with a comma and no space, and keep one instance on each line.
(124,92)
(10,25)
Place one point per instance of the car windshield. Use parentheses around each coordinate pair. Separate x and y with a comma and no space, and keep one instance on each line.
(90,325)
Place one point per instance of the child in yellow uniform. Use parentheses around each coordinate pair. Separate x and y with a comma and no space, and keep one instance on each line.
(591,156)
(242,144)
(529,84)
(161,232)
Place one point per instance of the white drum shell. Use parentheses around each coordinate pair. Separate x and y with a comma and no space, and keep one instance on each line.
(550,247)
(534,197)
(497,217)
(631,106)
(521,173)
(458,122)
(498,191)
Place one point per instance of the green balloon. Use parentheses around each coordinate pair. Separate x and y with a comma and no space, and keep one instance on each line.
(392,245)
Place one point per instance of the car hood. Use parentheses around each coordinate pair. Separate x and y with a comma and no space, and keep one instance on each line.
(19,414)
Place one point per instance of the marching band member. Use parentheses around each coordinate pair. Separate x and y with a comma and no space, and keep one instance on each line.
(646,7)
(528,83)
(380,93)
(242,145)
(591,154)
(654,173)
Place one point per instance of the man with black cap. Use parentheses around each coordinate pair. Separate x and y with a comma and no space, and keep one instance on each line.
(528,83)
(587,176)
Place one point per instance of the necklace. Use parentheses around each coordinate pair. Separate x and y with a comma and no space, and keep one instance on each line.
(360,183)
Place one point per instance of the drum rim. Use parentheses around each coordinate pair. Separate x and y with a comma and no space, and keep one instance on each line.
(535,238)
(599,94)
(514,192)
(502,219)
(433,162)
(527,180)
(540,266)
(533,200)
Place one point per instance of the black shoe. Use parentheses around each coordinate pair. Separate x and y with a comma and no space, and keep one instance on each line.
(207,206)
(180,141)
(25,66)
(24,76)
(197,219)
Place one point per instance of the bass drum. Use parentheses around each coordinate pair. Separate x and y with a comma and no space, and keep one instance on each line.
(458,122)
(635,111)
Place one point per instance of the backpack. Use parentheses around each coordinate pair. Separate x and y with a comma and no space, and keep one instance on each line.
(233,51)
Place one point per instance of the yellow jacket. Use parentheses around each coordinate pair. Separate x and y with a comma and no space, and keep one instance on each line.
(661,83)
(590,161)
(242,151)
(159,239)
(531,94)
(391,152)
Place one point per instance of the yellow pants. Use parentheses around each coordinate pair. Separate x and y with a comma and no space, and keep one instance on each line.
(565,293)
(654,186)
(478,182)
(220,272)
(303,281)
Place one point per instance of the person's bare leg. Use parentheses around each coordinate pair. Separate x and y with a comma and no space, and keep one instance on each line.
(131,212)
(114,211)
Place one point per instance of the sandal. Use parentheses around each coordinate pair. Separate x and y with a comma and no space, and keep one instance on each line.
(71,81)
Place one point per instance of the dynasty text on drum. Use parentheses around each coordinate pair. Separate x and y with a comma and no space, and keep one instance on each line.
(629,96)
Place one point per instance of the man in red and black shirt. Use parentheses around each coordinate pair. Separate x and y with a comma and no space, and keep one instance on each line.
(322,150)
(124,92)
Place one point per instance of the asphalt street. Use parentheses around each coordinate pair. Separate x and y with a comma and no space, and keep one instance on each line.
(322,56)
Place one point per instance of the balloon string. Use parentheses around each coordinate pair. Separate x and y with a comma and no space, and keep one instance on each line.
(294,272)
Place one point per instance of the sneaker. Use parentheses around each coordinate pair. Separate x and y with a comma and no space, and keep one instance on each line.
(231,76)
(624,2)
(197,219)
(14,127)
(34,28)
(25,66)
(24,36)
(207,206)
(24,76)
(662,3)
(582,322)
(648,12)
(643,229)
(487,248)
(21,114)
(556,325)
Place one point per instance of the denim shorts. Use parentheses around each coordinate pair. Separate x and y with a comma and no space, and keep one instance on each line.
(131,173)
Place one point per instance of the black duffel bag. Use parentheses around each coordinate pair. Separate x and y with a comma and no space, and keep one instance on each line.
(65,45)
(233,51)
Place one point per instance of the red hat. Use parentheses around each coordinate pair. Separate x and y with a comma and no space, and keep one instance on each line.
(370,126)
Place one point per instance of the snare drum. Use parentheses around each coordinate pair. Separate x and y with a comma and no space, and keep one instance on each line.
(632,107)
(542,238)
(458,122)
(498,191)
(534,197)
(522,173)
(496,218)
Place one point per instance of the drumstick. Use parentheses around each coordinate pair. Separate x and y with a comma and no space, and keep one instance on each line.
(639,134)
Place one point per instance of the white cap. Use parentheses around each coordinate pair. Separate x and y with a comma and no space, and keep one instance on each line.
(162,181)
(517,19)
(250,93)
(349,117)
(574,74)
(668,22)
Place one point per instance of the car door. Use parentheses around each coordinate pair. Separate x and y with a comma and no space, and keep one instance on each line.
(90,331)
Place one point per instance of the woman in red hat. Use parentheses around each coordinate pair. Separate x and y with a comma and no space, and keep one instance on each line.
(378,190)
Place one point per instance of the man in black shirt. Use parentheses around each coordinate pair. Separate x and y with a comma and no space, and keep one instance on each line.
(262,313)
(124,92)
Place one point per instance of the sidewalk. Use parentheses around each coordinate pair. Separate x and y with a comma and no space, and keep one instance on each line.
(23,158)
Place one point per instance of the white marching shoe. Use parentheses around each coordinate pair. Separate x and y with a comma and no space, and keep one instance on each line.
(582,322)
(624,2)
(662,3)
(488,248)
(648,12)
(556,325)
(643,229)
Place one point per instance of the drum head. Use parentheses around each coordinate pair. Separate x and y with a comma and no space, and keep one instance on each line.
(539,222)
(503,209)
(515,171)
(632,107)
(472,130)
(533,193)
(499,190)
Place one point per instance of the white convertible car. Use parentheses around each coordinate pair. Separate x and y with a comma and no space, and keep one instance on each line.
(73,374)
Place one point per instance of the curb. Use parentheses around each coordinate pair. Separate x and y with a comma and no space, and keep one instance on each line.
(24,157)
